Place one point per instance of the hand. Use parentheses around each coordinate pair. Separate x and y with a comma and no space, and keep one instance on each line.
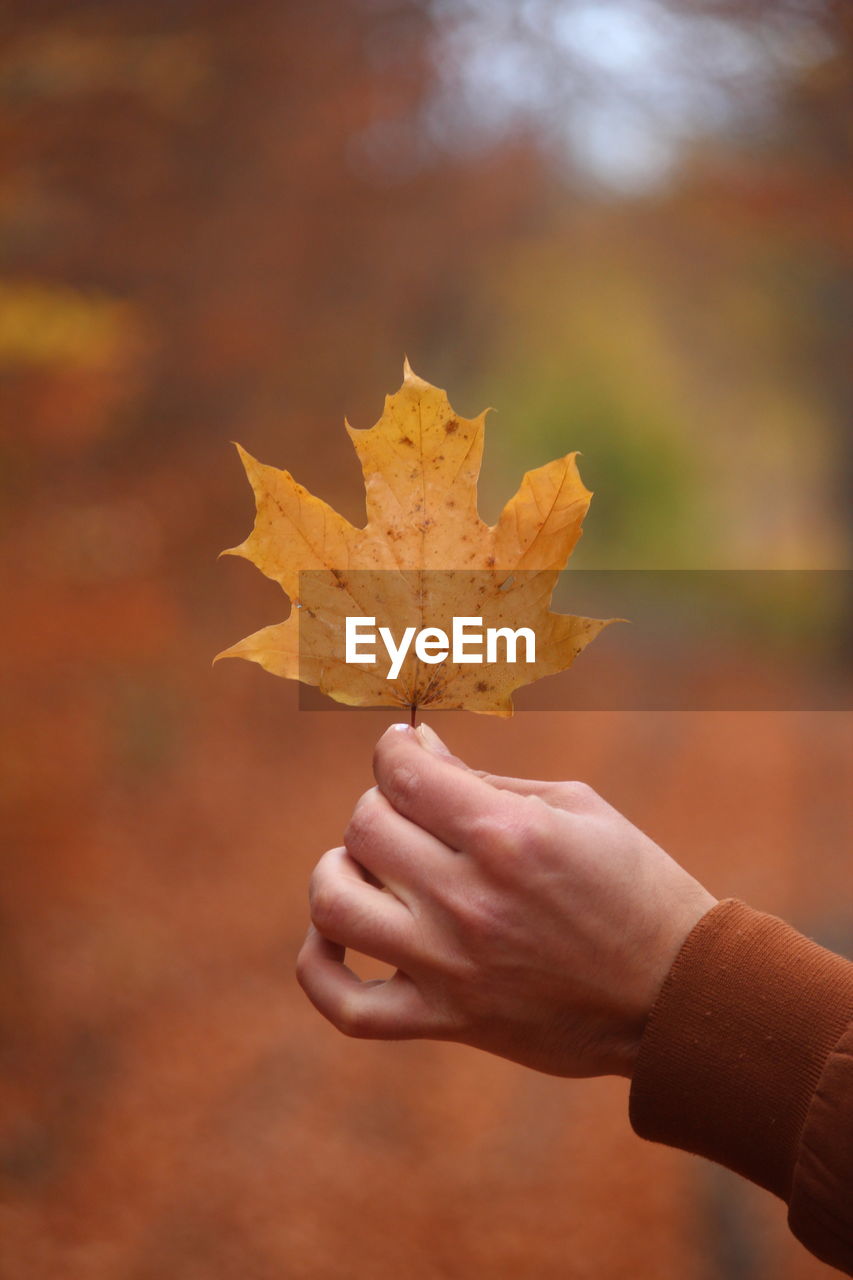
(529,919)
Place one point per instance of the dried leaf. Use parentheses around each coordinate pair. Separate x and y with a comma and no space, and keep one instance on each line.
(423,558)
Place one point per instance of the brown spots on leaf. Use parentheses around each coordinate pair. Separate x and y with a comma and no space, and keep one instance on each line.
(451,427)
(407,440)
(491,562)
(481,686)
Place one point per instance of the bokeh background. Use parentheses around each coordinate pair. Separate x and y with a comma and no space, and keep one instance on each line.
(627,225)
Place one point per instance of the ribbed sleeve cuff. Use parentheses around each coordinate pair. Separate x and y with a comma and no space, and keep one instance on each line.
(736,1042)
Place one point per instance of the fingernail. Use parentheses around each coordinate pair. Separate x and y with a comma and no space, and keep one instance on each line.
(431,740)
(399,727)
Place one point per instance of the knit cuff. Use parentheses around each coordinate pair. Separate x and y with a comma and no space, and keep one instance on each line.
(736,1042)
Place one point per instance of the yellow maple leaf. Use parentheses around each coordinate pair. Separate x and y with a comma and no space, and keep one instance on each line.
(423,559)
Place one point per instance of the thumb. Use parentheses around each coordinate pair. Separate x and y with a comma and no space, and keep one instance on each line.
(430,739)
(548,791)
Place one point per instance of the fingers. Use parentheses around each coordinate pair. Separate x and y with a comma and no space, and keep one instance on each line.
(398,853)
(378,1010)
(572,797)
(451,803)
(352,913)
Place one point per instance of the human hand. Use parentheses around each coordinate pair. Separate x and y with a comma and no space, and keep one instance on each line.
(529,919)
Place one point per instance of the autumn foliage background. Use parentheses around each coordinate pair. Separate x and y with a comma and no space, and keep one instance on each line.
(227,221)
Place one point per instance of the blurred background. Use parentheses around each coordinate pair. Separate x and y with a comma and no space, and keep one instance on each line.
(626,225)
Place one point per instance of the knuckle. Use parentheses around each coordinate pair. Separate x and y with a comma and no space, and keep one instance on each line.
(478,915)
(492,835)
(305,969)
(579,794)
(352,1020)
(302,967)
(325,903)
(493,779)
(402,784)
(385,754)
(523,827)
(536,825)
(480,923)
(361,826)
(550,792)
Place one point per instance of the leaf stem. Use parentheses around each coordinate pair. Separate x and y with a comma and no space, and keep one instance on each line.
(414,714)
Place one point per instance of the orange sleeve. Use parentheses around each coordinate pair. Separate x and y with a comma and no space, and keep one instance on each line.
(747,1059)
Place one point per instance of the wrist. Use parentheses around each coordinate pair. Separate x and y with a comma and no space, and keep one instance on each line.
(679,926)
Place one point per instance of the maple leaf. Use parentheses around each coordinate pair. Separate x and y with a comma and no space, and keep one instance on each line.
(423,558)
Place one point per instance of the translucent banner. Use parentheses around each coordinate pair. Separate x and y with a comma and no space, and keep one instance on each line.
(591,640)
